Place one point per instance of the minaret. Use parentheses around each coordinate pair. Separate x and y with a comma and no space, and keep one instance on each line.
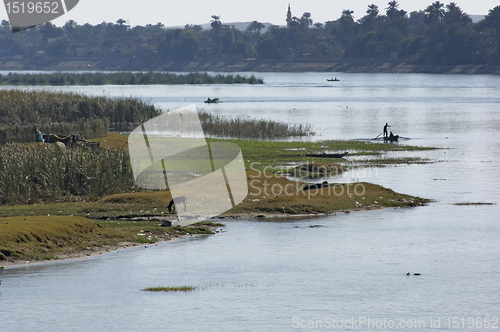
(288,17)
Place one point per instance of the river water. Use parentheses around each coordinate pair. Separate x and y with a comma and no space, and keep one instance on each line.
(347,271)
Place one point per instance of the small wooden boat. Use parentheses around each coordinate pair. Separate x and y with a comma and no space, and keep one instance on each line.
(393,138)
(328,155)
(212,101)
(333,79)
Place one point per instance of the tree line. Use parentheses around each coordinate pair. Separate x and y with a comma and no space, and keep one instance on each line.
(437,35)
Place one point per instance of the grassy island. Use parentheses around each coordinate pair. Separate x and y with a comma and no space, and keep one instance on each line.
(66,203)
(169,289)
(125,78)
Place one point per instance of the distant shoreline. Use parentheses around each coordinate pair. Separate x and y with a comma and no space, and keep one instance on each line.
(245,65)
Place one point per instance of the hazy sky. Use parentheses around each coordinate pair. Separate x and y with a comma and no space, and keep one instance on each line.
(174,13)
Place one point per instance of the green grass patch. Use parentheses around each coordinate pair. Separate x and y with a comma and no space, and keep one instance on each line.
(170,289)
(284,155)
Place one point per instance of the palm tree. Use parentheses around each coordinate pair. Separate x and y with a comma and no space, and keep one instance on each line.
(372,12)
(346,27)
(455,14)
(121,21)
(392,9)
(306,21)
(255,27)
(347,13)
(435,12)
(295,22)
(493,20)
(216,24)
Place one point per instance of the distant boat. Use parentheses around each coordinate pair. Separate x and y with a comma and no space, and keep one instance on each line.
(212,101)
(332,79)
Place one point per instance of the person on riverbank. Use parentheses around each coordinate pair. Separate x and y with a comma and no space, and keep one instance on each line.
(385,129)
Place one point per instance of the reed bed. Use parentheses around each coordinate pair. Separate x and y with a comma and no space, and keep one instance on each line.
(40,107)
(43,109)
(125,78)
(38,173)
(216,125)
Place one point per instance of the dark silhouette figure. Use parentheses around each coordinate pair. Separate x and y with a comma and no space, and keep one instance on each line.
(385,129)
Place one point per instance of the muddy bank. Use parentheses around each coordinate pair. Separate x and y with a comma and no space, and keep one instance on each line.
(243,65)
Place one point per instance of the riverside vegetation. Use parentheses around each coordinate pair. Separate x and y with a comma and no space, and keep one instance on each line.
(58,201)
(21,112)
(125,78)
(437,34)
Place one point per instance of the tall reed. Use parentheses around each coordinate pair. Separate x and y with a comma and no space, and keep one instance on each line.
(216,125)
(38,107)
(37,173)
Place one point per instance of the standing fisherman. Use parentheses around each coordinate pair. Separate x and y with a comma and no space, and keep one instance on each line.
(385,129)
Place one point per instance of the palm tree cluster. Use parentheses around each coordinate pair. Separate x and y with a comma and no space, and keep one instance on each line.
(438,34)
